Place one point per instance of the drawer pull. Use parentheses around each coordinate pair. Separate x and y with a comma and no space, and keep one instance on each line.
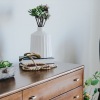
(76,97)
(32,98)
(77,79)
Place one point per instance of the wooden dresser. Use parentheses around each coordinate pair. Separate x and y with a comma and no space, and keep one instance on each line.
(62,83)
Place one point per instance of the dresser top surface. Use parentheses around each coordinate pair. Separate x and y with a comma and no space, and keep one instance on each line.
(23,79)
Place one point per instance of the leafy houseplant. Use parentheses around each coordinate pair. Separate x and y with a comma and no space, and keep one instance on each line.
(90,84)
(6,70)
(41,14)
(5,64)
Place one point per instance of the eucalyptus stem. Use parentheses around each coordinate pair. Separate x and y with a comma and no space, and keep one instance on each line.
(40,21)
(36,20)
(44,22)
(41,14)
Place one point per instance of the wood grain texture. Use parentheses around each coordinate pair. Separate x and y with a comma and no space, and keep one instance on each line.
(27,79)
(16,96)
(75,94)
(55,87)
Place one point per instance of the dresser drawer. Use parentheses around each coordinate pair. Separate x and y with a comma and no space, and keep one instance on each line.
(54,87)
(75,94)
(16,96)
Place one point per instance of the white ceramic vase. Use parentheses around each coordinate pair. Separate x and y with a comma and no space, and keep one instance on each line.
(41,43)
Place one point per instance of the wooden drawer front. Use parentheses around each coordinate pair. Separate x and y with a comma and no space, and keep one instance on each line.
(76,94)
(54,87)
(16,96)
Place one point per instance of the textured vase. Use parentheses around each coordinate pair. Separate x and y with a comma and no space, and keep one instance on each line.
(41,43)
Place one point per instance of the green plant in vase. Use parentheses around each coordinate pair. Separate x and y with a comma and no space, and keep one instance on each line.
(41,14)
(90,85)
(44,47)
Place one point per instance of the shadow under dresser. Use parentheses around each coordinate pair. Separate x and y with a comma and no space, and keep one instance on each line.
(62,83)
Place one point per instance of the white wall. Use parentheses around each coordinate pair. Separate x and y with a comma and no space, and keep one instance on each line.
(94,62)
(71,26)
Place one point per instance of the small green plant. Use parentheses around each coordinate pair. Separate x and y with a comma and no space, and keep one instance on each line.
(90,84)
(41,14)
(4,64)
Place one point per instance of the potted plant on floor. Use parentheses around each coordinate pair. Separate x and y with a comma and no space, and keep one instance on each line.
(90,90)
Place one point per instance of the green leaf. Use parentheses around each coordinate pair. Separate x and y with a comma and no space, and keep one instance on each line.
(4,64)
(88,82)
(97,72)
(95,90)
(10,64)
(40,11)
(94,82)
(1,66)
(86,98)
(84,93)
